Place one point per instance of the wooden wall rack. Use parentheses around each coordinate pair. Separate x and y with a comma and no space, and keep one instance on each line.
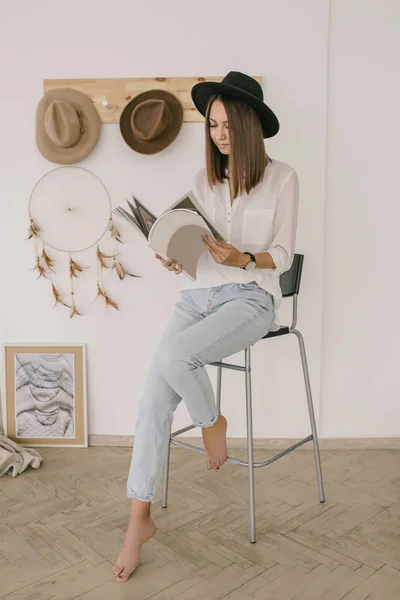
(110,96)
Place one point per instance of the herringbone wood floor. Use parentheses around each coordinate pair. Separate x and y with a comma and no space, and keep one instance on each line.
(62,526)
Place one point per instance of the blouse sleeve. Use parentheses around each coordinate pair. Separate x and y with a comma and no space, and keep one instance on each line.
(285,224)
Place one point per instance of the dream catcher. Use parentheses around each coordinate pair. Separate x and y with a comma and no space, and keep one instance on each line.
(70,212)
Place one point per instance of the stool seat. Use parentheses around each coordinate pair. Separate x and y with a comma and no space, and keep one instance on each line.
(281,331)
(290,284)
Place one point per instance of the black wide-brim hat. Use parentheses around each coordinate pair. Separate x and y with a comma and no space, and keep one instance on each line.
(237,85)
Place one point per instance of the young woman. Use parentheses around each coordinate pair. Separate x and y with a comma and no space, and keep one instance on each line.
(253,202)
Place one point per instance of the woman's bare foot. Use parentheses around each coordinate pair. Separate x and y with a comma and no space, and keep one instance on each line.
(214,439)
(140,529)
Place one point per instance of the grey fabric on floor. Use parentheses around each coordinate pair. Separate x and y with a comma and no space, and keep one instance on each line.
(14,458)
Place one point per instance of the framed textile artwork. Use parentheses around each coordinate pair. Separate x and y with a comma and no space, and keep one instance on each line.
(44,394)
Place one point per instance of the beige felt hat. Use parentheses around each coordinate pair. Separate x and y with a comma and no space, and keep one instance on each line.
(151,121)
(67,126)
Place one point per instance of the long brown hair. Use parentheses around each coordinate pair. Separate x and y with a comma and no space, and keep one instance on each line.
(247,160)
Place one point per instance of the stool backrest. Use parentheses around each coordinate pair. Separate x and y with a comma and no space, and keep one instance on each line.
(290,280)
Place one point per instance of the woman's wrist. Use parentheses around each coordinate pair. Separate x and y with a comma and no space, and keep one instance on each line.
(244,260)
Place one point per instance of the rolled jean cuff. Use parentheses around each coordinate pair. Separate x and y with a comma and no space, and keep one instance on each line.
(142,497)
(209,424)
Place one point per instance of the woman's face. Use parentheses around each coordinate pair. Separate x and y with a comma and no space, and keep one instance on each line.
(218,122)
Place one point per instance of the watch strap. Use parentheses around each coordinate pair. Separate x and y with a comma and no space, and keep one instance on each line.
(252,259)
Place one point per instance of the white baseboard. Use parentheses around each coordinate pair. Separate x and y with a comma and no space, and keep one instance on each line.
(273,443)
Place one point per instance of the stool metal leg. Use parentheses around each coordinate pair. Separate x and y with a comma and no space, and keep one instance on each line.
(166,475)
(312,416)
(249,418)
(218,394)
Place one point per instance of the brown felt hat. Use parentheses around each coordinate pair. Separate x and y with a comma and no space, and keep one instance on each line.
(67,126)
(151,121)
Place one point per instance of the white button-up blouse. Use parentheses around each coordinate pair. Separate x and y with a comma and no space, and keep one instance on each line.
(265,220)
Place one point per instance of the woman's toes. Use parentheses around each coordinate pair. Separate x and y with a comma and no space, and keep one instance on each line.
(117,570)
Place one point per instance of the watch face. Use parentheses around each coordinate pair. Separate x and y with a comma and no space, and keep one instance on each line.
(250,266)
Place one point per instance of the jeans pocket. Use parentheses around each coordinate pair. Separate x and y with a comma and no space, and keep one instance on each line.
(258,292)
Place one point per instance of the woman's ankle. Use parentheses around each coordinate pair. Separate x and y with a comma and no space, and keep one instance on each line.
(218,422)
(140,511)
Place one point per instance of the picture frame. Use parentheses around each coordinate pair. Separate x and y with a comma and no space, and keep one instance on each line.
(44,394)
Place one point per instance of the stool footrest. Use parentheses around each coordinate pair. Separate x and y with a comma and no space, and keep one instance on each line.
(179,431)
(238,461)
(227,366)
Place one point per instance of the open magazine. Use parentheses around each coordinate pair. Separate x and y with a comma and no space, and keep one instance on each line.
(176,233)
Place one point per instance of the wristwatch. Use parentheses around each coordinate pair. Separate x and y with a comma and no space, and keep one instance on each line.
(251,265)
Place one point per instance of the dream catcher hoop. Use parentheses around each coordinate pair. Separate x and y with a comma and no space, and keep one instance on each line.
(70,211)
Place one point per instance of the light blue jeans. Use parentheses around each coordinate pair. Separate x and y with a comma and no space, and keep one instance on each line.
(207,325)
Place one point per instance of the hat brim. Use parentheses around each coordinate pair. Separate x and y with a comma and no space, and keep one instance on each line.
(202,92)
(91,125)
(166,138)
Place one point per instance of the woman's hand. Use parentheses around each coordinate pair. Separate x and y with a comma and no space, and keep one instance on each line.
(170,264)
(225,254)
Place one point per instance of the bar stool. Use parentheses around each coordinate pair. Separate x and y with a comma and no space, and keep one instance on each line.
(290,285)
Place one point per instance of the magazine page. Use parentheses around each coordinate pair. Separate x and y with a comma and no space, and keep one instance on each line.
(190,202)
(135,212)
(123,214)
(145,216)
(177,234)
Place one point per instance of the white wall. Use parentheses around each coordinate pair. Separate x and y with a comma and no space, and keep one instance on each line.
(361,354)
(287,44)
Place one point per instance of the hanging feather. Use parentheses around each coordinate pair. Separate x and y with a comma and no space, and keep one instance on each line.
(121,271)
(57,297)
(74,312)
(74,268)
(100,291)
(34,230)
(102,258)
(41,270)
(103,293)
(48,261)
(114,231)
(110,302)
